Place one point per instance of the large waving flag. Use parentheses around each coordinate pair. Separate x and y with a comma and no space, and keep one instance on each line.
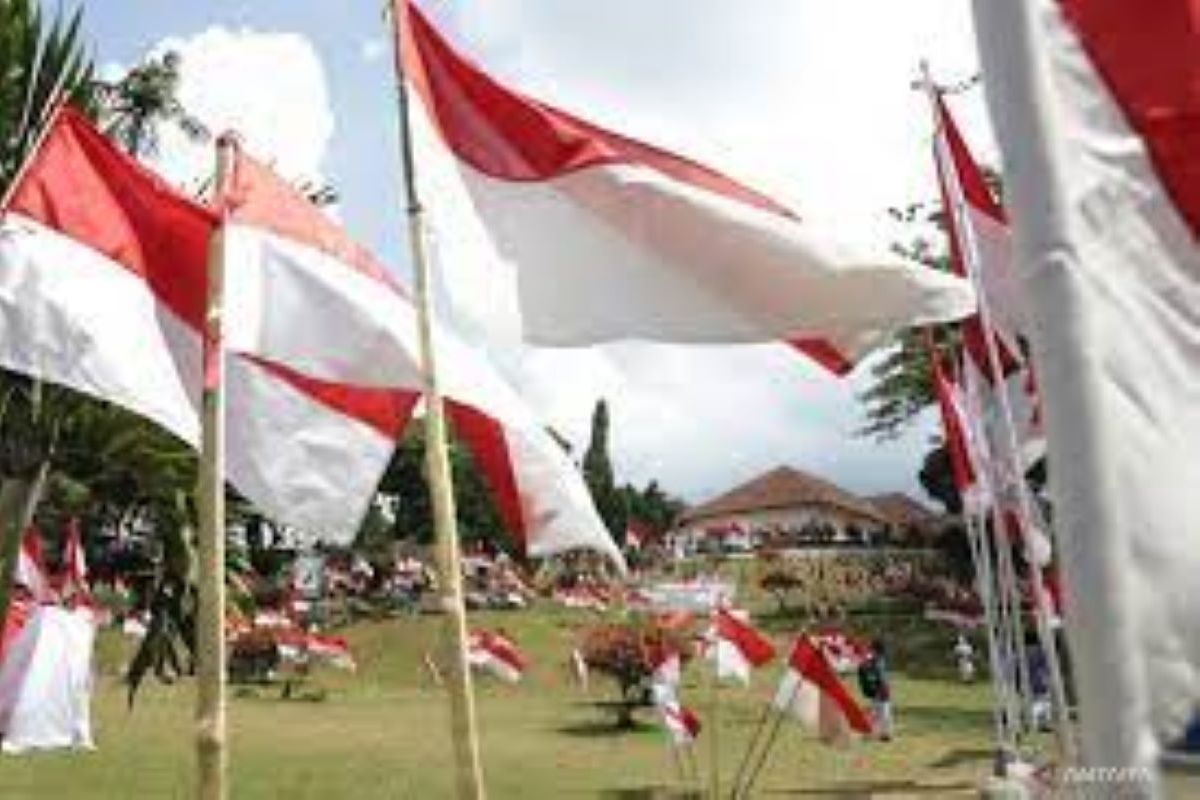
(102,289)
(1097,112)
(301,293)
(607,238)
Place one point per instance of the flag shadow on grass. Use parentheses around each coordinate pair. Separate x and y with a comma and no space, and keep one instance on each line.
(962,755)
(650,793)
(604,728)
(946,717)
(865,790)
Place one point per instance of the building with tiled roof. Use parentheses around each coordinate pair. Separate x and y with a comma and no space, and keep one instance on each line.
(789,505)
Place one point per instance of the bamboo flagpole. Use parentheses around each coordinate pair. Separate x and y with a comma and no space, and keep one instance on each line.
(714,724)
(211,755)
(464,726)
(1063,728)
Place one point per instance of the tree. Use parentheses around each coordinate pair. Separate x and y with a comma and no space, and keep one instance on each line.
(651,506)
(136,107)
(598,475)
(937,479)
(404,488)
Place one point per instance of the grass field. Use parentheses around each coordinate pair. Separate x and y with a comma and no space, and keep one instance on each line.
(382,733)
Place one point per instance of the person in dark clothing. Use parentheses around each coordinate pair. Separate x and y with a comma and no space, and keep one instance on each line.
(875,685)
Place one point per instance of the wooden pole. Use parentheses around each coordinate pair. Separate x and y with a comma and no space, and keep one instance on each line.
(211,738)
(464,724)
(714,739)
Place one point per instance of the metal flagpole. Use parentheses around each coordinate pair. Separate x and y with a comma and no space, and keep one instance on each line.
(1024,501)
(464,723)
(211,738)
(999,684)
(984,582)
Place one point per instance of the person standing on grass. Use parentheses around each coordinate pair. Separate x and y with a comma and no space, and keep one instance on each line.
(965,654)
(875,685)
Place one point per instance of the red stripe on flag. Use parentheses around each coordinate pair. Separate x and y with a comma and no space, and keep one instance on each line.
(977,195)
(825,354)
(952,424)
(510,136)
(81,185)
(814,667)
(754,647)
(386,410)
(256,196)
(485,437)
(1148,55)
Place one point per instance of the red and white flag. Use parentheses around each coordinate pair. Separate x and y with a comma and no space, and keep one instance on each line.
(30,569)
(583,235)
(811,691)
(102,289)
(681,722)
(981,251)
(738,647)
(301,293)
(75,573)
(962,443)
(1098,118)
(497,654)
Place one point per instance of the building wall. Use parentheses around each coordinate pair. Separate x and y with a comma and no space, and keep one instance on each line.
(796,517)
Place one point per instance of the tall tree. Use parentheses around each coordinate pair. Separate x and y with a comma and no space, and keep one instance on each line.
(405,489)
(598,475)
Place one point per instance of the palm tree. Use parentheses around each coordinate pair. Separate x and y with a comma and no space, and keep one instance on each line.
(40,61)
(134,108)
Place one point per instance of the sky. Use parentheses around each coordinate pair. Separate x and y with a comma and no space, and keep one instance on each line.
(809,100)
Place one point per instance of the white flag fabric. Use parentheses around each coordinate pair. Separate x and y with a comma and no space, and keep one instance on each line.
(583,235)
(46,682)
(301,293)
(1098,118)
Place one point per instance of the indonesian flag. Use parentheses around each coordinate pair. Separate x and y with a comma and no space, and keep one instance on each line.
(738,646)
(75,576)
(333,650)
(583,235)
(1097,112)
(681,722)
(666,675)
(981,251)
(301,293)
(102,289)
(30,569)
(956,428)
(496,654)
(811,691)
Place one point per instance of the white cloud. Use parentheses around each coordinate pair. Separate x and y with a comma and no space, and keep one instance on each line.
(268,87)
(373,49)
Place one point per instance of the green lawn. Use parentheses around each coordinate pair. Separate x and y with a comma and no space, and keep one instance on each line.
(383,734)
